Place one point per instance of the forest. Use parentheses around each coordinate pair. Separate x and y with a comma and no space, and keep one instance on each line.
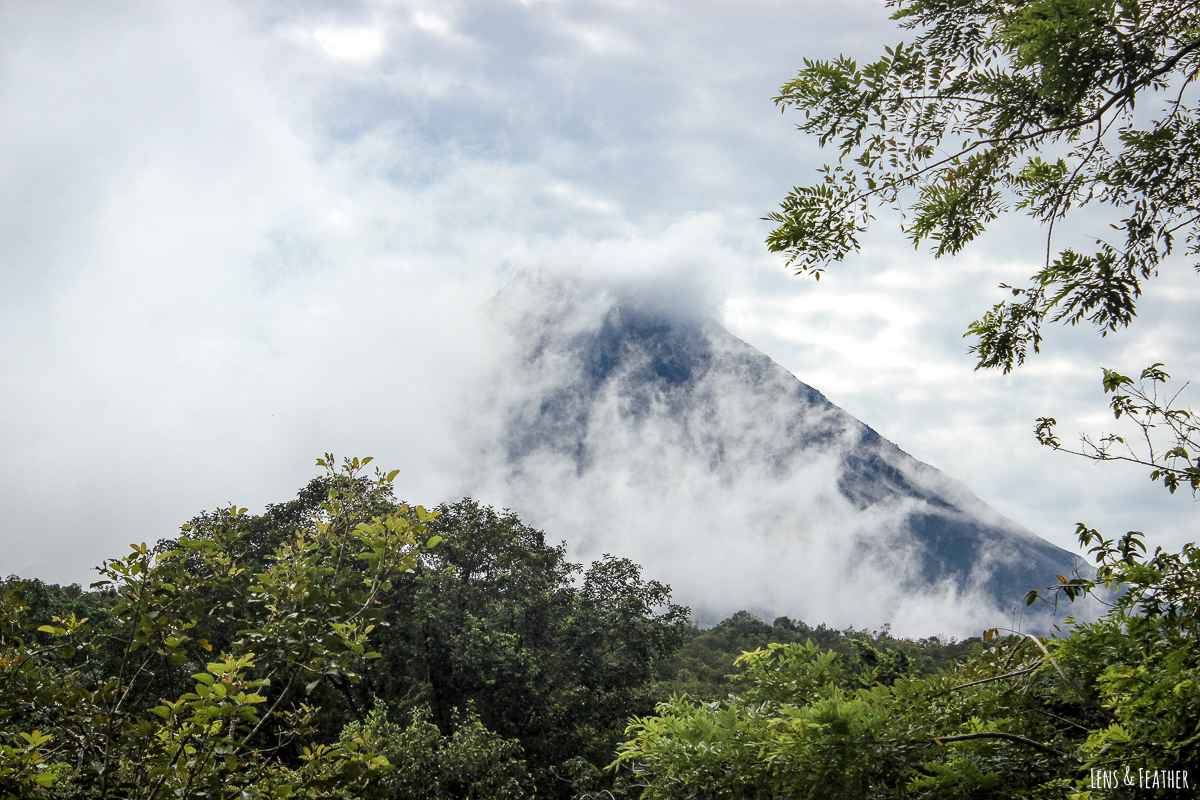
(344,644)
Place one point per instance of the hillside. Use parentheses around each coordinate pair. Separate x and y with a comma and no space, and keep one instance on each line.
(630,426)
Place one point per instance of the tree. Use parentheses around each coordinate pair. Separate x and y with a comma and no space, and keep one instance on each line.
(137,702)
(265,655)
(494,627)
(1111,705)
(1006,106)
(546,653)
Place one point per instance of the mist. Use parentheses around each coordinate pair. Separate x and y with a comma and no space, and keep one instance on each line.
(731,491)
(234,237)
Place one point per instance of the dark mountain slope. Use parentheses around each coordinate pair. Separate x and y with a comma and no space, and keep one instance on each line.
(609,383)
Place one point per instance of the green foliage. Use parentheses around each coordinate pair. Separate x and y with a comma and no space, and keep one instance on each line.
(547,654)
(216,667)
(1020,718)
(1143,658)
(137,703)
(471,763)
(1012,106)
(705,667)
(260,655)
(792,731)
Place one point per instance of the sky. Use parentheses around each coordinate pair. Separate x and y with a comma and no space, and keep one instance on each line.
(236,236)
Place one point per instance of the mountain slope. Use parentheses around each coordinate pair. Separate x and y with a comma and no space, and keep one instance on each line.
(616,407)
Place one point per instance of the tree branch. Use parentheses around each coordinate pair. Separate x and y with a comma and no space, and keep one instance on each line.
(1127,92)
(286,689)
(1067,680)
(1012,737)
(1018,673)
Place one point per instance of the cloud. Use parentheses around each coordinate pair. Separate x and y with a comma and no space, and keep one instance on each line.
(362,43)
(234,237)
(612,415)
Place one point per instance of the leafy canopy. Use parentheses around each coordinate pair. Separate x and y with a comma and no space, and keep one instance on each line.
(1025,717)
(1009,105)
(338,645)
(194,677)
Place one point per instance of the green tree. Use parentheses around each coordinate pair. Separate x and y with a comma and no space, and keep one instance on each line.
(136,702)
(1014,105)
(1020,717)
(706,667)
(548,654)
(494,622)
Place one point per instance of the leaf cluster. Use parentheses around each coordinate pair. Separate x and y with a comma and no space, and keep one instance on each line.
(1008,105)
(546,653)
(706,666)
(1166,434)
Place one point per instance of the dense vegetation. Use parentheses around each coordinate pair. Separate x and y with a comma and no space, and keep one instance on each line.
(343,644)
(346,645)
(706,667)
(302,651)
(1110,709)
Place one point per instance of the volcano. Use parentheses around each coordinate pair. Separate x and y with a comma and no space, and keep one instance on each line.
(632,427)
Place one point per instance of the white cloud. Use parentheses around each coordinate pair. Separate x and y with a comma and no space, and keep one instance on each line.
(351,44)
(236,236)
(432,23)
